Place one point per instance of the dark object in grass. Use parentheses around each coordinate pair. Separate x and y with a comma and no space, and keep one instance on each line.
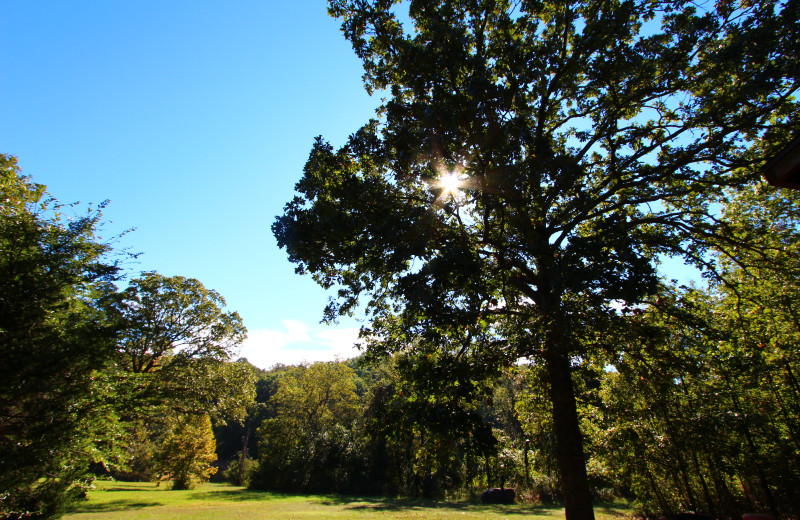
(498,496)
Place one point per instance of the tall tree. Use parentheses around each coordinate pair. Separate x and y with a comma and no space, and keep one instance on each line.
(175,362)
(54,344)
(176,348)
(530,163)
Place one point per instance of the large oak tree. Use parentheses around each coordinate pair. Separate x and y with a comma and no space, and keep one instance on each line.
(530,162)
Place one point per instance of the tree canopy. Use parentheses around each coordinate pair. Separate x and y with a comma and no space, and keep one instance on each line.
(176,346)
(174,316)
(306,445)
(530,163)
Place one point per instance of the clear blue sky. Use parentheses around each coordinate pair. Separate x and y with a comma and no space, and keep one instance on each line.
(195,119)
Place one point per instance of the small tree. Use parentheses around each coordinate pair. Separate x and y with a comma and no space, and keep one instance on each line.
(188,452)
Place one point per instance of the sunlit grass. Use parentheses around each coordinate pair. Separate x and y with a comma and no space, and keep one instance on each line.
(125,500)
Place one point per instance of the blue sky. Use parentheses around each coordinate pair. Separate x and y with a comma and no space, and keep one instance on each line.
(194,118)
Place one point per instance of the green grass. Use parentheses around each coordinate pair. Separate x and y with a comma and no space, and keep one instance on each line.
(128,501)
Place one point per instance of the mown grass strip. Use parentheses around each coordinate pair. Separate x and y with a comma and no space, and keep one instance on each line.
(132,501)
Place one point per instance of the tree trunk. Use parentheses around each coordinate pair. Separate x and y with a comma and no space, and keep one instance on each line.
(569,441)
(244,456)
(712,509)
(488,470)
(752,455)
(526,447)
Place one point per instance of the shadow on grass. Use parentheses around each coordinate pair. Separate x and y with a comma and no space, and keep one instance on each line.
(129,487)
(236,495)
(353,503)
(114,505)
(405,504)
(400,504)
(615,509)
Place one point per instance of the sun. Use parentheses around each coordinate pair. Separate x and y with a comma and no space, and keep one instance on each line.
(450,183)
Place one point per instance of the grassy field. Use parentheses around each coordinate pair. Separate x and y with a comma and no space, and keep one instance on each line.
(128,501)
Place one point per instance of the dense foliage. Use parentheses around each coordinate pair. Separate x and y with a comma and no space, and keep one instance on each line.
(703,413)
(688,416)
(693,409)
(308,445)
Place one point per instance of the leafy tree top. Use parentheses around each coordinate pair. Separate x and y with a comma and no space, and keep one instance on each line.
(16,191)
(175,316)
(587,137)
(176,347)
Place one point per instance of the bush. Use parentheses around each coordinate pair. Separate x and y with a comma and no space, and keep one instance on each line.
(239,471)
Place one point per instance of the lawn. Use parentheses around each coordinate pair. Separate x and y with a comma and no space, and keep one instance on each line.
(128,501)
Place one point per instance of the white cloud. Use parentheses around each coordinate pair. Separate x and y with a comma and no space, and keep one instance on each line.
(298,343)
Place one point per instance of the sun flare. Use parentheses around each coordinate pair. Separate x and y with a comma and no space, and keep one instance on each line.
(450,183)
